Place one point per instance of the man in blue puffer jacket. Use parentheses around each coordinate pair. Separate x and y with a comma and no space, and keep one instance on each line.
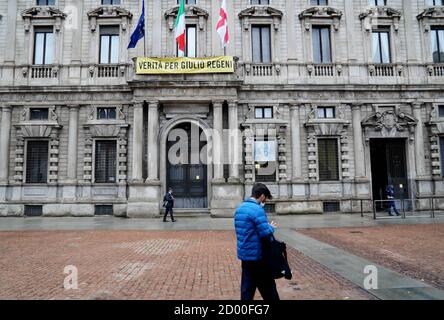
(252,229)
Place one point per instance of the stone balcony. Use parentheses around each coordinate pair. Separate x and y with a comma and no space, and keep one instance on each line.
(245,73)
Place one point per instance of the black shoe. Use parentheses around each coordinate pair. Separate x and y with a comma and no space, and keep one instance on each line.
(164,220)
(174,220)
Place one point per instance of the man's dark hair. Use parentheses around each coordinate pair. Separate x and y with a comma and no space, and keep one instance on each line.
(170,188)
(260,189)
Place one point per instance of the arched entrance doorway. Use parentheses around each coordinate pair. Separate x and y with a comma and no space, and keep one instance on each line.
(186,169)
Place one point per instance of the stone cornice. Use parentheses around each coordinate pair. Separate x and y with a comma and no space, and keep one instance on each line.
(320,12)
(109,12)
(260,11)
(381,12)
(191,11)
(35,13)
(436,12)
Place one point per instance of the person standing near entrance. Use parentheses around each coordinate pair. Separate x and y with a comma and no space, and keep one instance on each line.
(168,203)
(252,229)
(390,192)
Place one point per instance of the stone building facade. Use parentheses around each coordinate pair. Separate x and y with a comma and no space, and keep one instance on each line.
(350,91)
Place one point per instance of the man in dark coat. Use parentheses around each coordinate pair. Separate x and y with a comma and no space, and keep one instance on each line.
(168,203)
(252,232)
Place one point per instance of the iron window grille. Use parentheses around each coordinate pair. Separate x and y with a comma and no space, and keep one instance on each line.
(328,159)
(37,162)
(105,161)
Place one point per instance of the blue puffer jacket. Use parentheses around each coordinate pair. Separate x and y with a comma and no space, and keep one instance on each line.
(251,224)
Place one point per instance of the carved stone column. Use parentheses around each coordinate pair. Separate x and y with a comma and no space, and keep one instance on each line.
(358,142)
(217,142)
(419,141)
(137,143)
(234,144)
(153,130)
(73,132)
(295,143)
(5,130)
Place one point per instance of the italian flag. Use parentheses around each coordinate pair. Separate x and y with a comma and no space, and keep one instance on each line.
(179,27)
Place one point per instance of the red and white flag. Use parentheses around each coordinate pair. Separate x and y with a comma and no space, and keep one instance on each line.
(222,24)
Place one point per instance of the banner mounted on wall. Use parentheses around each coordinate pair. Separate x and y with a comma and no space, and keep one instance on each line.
(264,151)
(184,65)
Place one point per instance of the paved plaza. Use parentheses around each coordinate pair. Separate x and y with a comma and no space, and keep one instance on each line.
(195,258)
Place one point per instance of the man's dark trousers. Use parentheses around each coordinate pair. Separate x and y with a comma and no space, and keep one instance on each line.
(255,275)
(170,211)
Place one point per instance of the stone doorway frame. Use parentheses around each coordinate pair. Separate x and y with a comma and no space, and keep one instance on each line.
(162,140)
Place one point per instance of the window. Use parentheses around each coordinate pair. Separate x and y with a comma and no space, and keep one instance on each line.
(109,44)
(441,145)
(45,2)
(33,210)
(326,112)
(188,1)
(106,113)
(436,2)
(318,2)
(105,161)
(261,44)
(377,3)
(190,41)
(110,1)
(103,210)
(265,160)
(438,45)
(381,46)
(321,45)
(38,114)
(328,159)
(37,162)
(441,111)
(43,45)
(263,112)
(260,2)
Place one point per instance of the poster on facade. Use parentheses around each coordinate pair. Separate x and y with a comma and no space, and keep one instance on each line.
(184,65)
(264,151)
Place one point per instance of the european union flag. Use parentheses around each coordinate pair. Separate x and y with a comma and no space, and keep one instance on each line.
(139,32)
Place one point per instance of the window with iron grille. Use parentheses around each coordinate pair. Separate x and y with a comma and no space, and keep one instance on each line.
(328,159)
(103,210)
(105,161)
(106,113)
(38,114)
(37,162)
(33,210)
(331,206)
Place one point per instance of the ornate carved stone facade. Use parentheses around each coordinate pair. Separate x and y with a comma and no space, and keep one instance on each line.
(400,104)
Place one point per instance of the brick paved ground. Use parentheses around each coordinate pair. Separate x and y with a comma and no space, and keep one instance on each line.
(416,251)
(146,265)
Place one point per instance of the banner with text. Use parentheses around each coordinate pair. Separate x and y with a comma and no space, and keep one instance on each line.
(222,64)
